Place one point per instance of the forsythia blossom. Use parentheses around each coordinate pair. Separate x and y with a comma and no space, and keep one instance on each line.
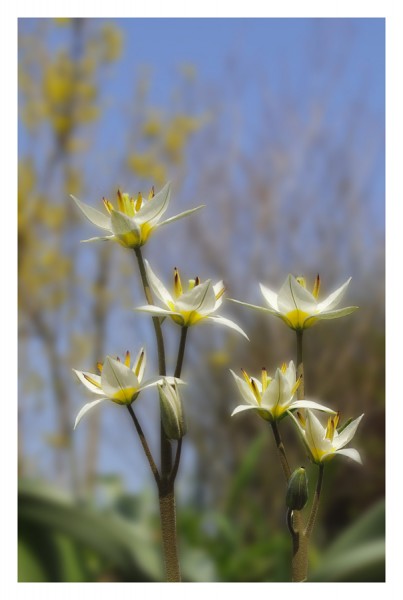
(134,220)
(190,307)
(272,397)
(298,307)
(117,381)
(323,443)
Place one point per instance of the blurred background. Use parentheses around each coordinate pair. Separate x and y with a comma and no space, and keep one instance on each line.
(277,126)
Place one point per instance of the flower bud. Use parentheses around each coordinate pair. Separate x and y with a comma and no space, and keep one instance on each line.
(172,415)
(297,491)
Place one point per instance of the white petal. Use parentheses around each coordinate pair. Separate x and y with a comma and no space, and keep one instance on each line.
(93,215)
(86,408)
(180,215)
(245,390)
(157,286)
(116,377)
(262,308)
(315,433)
(351,453)
(153,381)
(228,323)
(293,296)
(335,314)
(271,395)
(122,224)
(157,311)
(334,298)
(200,299)
(347,434)
(243,407)
(142,366)
(105,238)
(310,404)
(152,210)
(93,388)
(269,296)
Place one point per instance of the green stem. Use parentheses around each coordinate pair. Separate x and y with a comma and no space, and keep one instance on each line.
(181,352)
(299,563)
(165,483)
(315,503)
(146,449)
(300,365)
(281,450)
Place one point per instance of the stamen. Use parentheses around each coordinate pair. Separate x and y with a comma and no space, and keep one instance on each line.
(120,202)
(118,359)
(108,205)
(177,283)
(255,390)
(100,366)
(197,281)
(91,380)
(133,204)
(264,379)
(284,367)
(139,363)
(296,385)
(301,281)
(139,201)
(316,287)
(336,420)
(330,429)
(151,193)
(301,418)
(246,376)
(127,359)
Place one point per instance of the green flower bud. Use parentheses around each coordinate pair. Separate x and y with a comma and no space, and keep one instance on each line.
(172,416)
(297,491)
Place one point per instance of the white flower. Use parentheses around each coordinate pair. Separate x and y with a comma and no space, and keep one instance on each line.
(323,443)
(135,220)
(298,307)
(117,382)
(273,397)
(190,307)
(172,416)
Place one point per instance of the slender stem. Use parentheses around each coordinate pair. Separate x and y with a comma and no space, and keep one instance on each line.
(315,503)
(165,483)
(299,540)
(145,445)
(281,450)
(300,365)
(181,352)
(156,320)
(177,461)
(168,528)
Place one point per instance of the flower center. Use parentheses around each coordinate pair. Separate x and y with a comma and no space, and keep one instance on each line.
(296,319)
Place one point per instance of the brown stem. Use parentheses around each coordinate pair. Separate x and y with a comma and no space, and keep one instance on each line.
(146,449)
(168,528)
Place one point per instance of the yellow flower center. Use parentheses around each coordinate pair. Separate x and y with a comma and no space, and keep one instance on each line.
(296,319)
(124,396)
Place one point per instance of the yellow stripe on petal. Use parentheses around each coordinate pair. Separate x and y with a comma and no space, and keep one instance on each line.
(91,380)
(220,293)
(124,396)
(296,319)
